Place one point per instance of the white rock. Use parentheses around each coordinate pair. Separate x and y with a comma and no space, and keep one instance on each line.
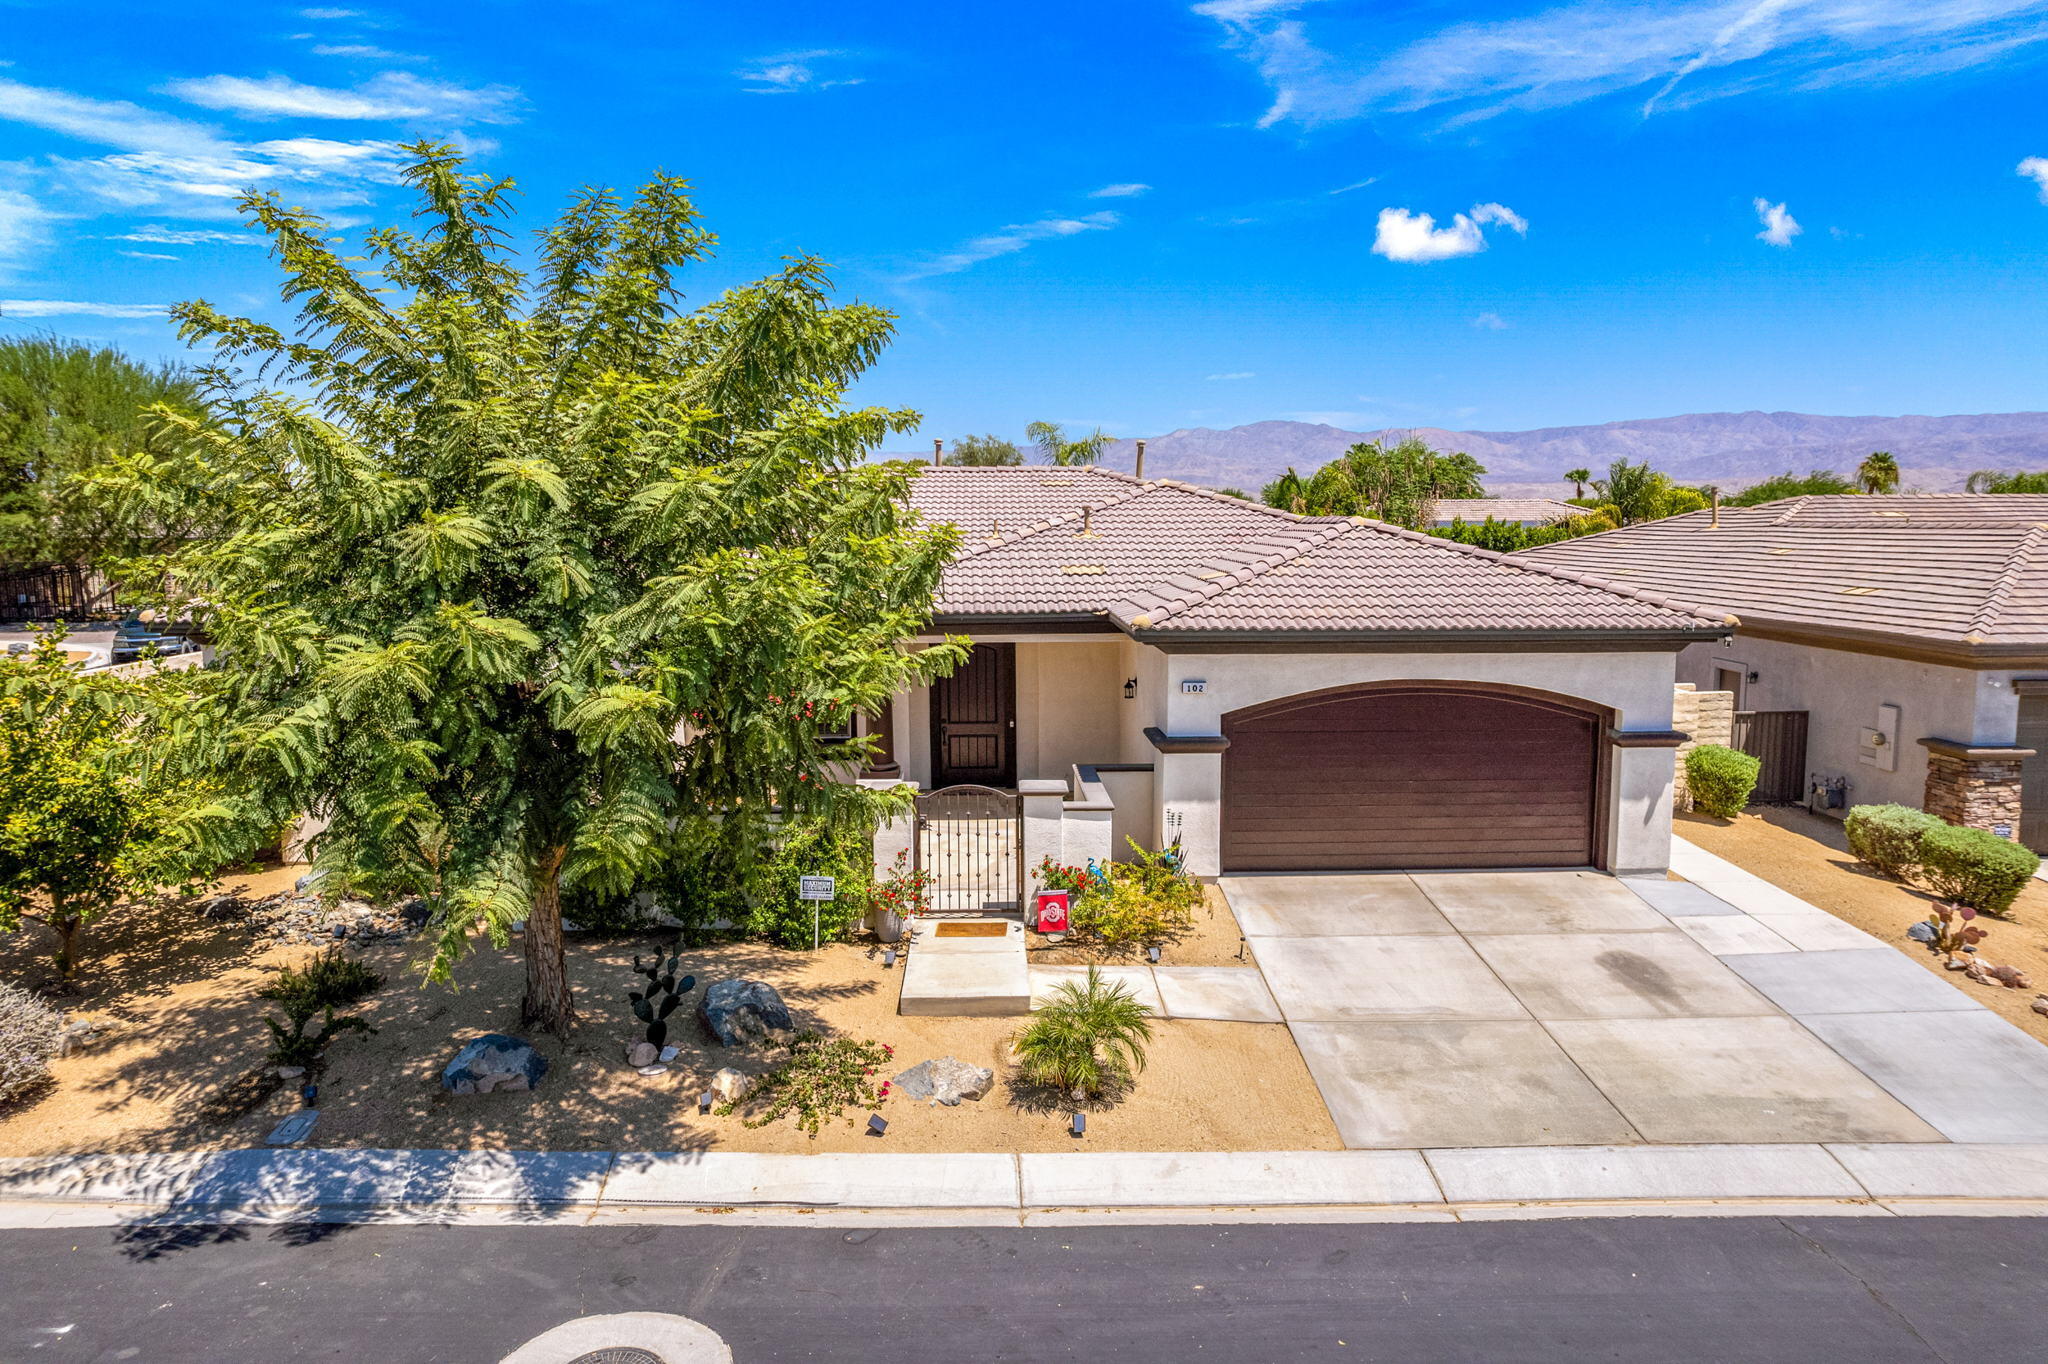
(290,1072)
(731,1085)
(654,1070)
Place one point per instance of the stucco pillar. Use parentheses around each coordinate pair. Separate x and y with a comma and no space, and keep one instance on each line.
(1189,790)
(1641,776)
(1043,812)
(894,835)
(1975,785)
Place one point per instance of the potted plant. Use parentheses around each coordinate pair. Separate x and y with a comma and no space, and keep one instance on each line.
(904,893)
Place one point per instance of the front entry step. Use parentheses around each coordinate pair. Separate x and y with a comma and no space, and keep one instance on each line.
(966,968)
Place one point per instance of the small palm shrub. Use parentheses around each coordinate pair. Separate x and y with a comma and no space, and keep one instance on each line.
(1975,867)
(30,1033)
(1888,836)
(328,982)
(1720,779)
(1086,1038)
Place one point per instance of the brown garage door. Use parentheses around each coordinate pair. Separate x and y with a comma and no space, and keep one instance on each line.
(1409,778)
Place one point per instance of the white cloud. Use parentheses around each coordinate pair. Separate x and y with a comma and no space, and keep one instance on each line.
(52,307)
(1490,322)
(2035,168)
(1010,240)
(1415,237)
(189,236)
(330,14)
(364,52)
(391,95)
(111,123)
(789,72)
(1780,227)
(24,229)
(1681,52)
(1234,374)
(1356,184)
(1119,191)
(145,255)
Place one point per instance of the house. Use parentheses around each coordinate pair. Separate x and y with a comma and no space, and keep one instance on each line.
(1910,632)
(1514,511)
(1279,692)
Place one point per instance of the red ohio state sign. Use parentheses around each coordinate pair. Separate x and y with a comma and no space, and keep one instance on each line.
(1052,911)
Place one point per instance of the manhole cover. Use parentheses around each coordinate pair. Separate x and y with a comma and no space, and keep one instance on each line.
(618,1354)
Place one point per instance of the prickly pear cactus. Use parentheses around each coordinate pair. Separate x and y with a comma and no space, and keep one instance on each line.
(664,992)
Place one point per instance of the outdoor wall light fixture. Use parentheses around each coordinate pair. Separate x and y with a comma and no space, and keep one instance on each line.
(877,1125)
(1080,1126)
(1131,689)
(1752,677)
(705,1100)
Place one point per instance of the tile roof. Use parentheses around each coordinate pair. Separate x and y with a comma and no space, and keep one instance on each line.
(1518,509)
(1162,558)
(1966,575)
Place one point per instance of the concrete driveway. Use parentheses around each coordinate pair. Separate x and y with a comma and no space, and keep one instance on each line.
(1460,1009)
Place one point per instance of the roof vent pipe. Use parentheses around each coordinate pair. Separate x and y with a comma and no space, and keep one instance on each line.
(938,451)
(1141,459)
(1714,523)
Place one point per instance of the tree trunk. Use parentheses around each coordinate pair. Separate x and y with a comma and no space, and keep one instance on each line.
(549,1002)
(67,926)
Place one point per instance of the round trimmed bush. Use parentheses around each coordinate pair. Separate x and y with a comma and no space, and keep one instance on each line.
(30,1032)
(1720,779)
(1888,836)
(1975,867)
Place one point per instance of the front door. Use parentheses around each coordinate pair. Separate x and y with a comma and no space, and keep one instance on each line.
(974,720)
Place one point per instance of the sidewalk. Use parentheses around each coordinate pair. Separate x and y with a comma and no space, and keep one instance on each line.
(976,1188)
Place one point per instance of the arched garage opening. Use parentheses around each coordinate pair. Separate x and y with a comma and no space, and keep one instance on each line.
(1414,775)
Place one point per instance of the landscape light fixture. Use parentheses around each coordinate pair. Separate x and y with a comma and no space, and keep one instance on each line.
(877,1125)
(1079,1127)
(309,1092)
(888,957)
(1152,954)
(1131,689)
(705,1100)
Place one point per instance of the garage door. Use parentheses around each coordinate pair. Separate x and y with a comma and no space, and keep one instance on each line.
(1409,778)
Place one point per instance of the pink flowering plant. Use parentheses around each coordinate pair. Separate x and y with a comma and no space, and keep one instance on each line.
(822,1078)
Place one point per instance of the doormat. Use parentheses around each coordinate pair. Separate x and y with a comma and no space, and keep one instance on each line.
(973,930)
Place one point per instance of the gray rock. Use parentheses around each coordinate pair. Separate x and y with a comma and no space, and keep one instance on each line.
(945,1081)
(740,1011)
(415,913)
(1921,931)
(642,1054)
(492,1062)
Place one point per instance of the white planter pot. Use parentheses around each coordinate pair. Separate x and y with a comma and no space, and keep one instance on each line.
(888,925)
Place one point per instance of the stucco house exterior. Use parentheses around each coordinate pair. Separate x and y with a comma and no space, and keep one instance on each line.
(1912,630)
(1280,692)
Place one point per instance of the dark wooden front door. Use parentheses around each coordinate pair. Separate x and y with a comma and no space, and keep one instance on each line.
(1383,779)
(974,720)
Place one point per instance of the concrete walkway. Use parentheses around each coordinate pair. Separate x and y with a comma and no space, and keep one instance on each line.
(1228,994)
(1487,1009)
(1005,1189)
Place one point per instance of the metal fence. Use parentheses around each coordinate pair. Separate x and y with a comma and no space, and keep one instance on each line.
(1777,740)
(971,840)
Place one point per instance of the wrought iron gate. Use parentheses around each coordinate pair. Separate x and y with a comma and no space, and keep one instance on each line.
(971,840)
(1777,740)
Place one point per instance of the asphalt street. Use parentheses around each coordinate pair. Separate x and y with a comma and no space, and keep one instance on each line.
(1869,1289)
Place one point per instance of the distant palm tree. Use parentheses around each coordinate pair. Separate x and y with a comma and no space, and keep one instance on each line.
(1635,491)
(1286,492)
(1051,440)
(1578,478)
(1879,473)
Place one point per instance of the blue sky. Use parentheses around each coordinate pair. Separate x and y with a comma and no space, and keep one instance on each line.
(1142,215)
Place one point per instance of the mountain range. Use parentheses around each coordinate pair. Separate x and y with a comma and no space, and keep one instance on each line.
(1729,449)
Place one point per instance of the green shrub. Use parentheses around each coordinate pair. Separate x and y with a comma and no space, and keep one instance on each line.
(1086,1038)
(813,849)
(1888,836)
(328,982)
(30,1032)
(1975,867)
(1720,779)
(821,1079)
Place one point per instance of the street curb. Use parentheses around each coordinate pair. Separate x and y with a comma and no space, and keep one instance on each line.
(1063,1188)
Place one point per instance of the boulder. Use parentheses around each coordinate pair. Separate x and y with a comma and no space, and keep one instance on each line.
(740,1011)
(492,1062)
(731,1085)
(642,1054)
(945,1081)
(2041,1004)
(1920,931)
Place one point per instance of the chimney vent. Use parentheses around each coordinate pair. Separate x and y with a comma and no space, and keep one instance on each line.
(1141,459)
(938,452)
(1714,522)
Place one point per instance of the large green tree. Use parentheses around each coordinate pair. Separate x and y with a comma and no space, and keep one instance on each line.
(985,451)
(1992,481)
(532,580)
(66,411)
(1400,483)
(1817,483)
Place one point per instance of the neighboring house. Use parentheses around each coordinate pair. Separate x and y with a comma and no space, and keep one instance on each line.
(1282,692)
(1911,630)
(1515,511)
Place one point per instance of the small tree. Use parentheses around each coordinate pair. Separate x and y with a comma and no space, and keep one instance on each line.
(1578,478)
(89,816)
(1286,492)
(1878,473)
(985,451)
(1635,492)
(1992,481)
(544,583)
(1051,440)
(1818,483)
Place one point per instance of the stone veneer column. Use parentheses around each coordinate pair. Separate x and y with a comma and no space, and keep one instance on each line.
(1975,785)
(1704,717)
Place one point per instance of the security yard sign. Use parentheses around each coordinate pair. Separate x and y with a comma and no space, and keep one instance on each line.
(815,888)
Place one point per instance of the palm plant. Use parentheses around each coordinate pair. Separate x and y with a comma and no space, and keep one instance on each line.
(1086,1038)
(1578,478)
(1879,473)
(1286,492)
(1635,491)
(1051,440)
